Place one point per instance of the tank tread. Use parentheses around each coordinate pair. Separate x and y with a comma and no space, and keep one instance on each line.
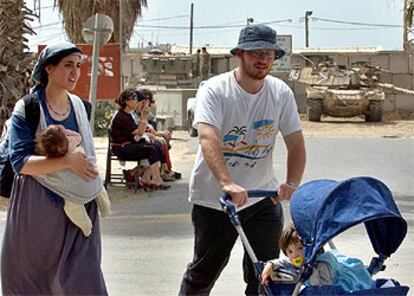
(375,108)
(315,109)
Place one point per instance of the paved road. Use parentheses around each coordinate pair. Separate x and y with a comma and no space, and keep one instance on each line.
(148,241)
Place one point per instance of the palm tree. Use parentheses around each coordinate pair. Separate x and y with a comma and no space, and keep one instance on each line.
(76,12)
(15,58)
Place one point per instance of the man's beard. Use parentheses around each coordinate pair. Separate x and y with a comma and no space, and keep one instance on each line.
(252,72)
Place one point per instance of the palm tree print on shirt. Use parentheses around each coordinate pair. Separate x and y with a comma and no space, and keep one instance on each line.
(236,143)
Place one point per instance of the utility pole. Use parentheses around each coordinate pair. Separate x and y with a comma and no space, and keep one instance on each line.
(408,19)
(191,27)
(94,70)
(121,45)
(307,15)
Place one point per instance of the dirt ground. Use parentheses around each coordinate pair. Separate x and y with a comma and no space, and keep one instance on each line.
(356,127)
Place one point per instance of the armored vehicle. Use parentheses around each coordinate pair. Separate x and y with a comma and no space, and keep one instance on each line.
(340,92)
(173,71)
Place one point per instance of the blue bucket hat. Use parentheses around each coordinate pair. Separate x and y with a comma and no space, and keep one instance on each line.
(52,51)
(254,37)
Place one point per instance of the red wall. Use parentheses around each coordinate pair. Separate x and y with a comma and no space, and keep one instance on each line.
(109,81)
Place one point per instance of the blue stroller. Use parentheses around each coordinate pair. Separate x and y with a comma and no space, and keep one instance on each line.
(322,209)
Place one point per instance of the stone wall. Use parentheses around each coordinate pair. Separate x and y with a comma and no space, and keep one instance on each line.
(173,103)
(398,69)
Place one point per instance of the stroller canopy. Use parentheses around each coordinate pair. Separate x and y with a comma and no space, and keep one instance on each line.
(322,209)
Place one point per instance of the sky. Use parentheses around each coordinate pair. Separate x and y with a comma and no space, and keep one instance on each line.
(333,23)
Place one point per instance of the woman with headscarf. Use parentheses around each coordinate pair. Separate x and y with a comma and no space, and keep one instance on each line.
(44,253)
(129,141)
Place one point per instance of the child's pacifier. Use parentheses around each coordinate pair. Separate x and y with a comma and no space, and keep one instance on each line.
(298,261)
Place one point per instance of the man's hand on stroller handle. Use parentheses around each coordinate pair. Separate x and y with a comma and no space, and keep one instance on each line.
(237,193)
(230,209)
(285,191)
(250,193)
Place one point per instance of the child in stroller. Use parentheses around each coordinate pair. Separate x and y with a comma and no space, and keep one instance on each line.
(323,209)
(330,267)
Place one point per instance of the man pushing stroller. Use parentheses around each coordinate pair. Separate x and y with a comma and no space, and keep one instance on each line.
(238,116)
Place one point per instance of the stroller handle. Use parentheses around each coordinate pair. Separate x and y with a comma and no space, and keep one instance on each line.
(230,209)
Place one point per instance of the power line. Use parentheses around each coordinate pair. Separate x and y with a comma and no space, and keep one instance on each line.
(50,6)
(45,26)
(47,36)
(48,39)
(207,27)
(368,26)
(166,29)
(233,23)
(354,23)
(165,18)
(184,34)
(140,37)
(184,16)
(353,29)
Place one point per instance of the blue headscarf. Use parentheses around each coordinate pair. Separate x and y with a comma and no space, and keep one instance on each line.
(52,51)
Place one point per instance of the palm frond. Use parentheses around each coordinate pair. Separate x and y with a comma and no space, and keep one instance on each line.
(15,59)
(76,12)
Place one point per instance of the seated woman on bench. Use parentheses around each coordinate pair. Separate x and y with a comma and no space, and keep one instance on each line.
(128,143)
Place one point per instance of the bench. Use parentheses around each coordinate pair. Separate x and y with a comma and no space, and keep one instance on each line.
(116,178)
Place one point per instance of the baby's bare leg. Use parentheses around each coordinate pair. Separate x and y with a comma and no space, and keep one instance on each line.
(78,215)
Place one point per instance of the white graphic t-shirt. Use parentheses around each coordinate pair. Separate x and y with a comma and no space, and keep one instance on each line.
(248,125)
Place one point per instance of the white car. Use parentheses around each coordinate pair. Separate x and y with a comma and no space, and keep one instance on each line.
(191,105)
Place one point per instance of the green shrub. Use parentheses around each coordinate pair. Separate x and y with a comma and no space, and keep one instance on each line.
(103,115)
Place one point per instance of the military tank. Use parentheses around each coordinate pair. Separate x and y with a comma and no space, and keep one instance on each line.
(341,92)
